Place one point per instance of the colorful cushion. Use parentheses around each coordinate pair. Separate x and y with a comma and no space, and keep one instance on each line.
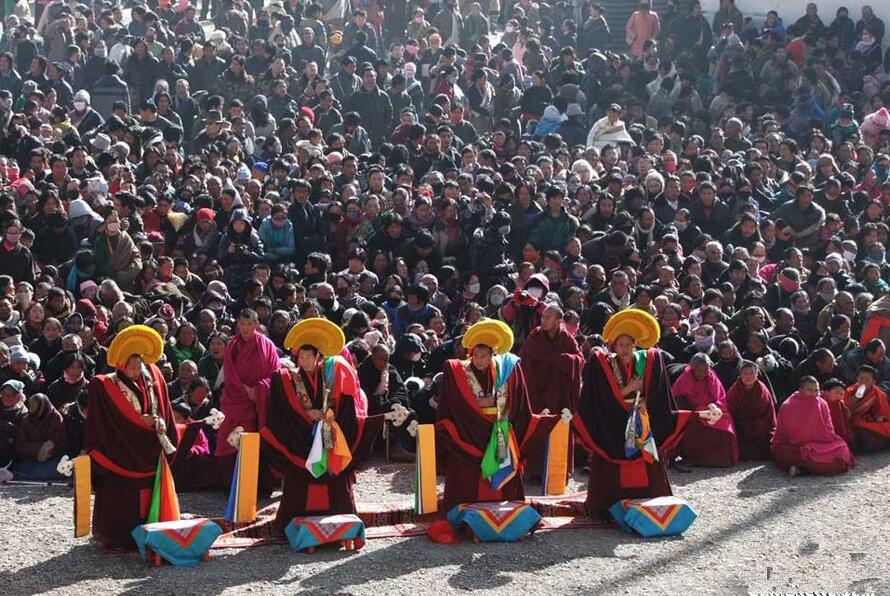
(504,521)
(661,516)
(314,530)
(182,543)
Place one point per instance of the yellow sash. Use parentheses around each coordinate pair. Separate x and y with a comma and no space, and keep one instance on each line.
(82,489)
(557,464)
(426,499)
(248,474)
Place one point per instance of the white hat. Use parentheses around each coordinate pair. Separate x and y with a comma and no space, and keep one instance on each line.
(102,142)
(82,95)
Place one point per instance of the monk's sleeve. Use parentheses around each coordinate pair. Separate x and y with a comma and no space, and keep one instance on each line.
(532,430)
(359,431)
(448,431)
(286,440)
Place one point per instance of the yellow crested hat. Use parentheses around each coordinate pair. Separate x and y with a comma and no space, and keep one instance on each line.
(136,339)
(320,333)
(492,333)
(638,324)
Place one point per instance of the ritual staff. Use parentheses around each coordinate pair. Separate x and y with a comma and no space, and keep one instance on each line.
(869,412)
(551,363)
(129,426)
(317,426)
(248,363)
(626,418)
(475,396)
(709,438)
(805,439)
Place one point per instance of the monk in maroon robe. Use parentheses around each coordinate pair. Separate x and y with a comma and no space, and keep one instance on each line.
(296,403)
(753,411)
(709,439)
(805,438)
(551,364)
(610,391)
(466,413)
(248,364)
(129,411)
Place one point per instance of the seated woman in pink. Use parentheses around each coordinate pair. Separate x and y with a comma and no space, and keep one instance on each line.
(805,437)
(709,438)
(753,410)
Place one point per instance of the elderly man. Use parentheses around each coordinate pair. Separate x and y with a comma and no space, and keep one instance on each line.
(188,372)
(874,354)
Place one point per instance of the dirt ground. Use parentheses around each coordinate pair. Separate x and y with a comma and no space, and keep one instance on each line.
(759,532)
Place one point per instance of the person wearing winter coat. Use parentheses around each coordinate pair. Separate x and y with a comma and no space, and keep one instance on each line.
(239,250)
(109,89)
(277,234)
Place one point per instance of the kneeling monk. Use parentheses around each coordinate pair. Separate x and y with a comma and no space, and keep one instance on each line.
(476,398)
(317,424)
(626,418)
(129,426)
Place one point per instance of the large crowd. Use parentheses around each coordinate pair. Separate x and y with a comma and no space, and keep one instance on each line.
(405,169)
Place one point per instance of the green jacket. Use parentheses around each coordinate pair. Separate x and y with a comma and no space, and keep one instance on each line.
(551,233)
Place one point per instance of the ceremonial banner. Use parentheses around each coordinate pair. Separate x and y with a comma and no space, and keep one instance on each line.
(556,463)
(82,490)
(242,497)
(426,499)
(164,502)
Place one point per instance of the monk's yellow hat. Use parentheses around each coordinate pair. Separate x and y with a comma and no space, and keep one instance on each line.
(497,335)
(136,340)
(638,324)
(320,333)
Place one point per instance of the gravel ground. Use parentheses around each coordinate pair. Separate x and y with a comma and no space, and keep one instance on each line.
(759,531)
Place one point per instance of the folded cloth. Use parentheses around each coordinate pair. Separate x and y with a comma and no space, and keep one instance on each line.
(504,521)
(182,543)
(661,516)
(315,530)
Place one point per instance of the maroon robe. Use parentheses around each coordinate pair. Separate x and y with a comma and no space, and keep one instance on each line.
(552,369)
(754,415)
(805,438)
(287,440)
(124,453)
(600,424)
(193,471)
(463,432)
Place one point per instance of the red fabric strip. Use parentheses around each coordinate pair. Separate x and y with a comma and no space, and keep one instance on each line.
(449,428)
(275,444)
(317,497)
(103,460)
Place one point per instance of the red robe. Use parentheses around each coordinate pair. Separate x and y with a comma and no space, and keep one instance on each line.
(840,419)
(754,415)
(704,444)
(805,438)
(552,369)
(124,452)
(287,438)
(868,433)
(245,364)
(463,432)
(194,467)
(600,424)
